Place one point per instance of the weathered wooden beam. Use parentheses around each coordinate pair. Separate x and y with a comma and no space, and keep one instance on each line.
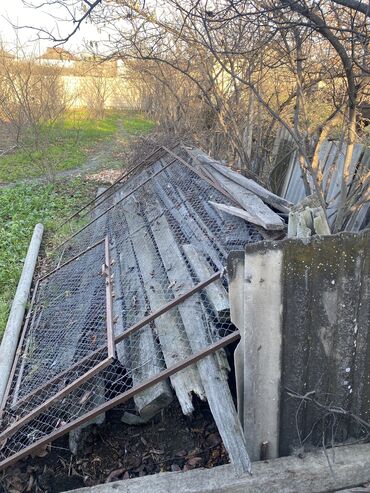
(145,358)
(186,223)
(259,352)
(310,474)
(170,331)
(267,196)
(215,385)
(247,215)
(251,203)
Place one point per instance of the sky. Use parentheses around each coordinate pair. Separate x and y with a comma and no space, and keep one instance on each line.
(15,12)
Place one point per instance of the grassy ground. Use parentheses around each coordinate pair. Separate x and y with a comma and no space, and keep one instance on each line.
(66,144)
(24,205)
(21,207)
(136,123)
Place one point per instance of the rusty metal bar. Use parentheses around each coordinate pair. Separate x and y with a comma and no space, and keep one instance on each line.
(212,348)
(124,175)
(168,306)
(60,375)
(59,395)
(109,294)
(113,206)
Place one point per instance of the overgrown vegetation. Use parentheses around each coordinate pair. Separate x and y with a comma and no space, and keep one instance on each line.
(137,123)
(67,144)
(233,75)
(21,207)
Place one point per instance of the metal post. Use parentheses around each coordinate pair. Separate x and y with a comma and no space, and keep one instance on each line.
(13,328)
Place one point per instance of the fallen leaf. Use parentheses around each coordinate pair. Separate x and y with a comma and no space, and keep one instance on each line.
(115,474)
(195,461)
(156,451)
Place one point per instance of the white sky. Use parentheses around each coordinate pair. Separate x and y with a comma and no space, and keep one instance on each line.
(16,12)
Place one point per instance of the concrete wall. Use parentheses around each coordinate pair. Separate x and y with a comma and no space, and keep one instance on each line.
(303,308)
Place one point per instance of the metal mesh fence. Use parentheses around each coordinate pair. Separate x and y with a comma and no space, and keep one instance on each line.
(177,192)
(146,356)
(170,308)
(67,337)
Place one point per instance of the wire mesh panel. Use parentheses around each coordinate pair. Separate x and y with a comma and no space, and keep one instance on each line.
(139,366)
(186,200)
(68,336)
(169,308)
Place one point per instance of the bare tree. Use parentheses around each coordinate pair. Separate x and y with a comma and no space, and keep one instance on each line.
(241,69)
(32,96)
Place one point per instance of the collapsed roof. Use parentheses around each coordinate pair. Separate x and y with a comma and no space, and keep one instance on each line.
(137,304)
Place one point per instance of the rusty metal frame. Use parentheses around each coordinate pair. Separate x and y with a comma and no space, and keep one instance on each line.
(130,393)
(134,328)
(212,348)
(109,347)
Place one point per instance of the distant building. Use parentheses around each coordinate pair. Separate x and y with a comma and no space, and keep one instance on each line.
(58,57)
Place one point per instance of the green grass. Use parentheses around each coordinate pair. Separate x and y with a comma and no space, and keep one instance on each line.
(67,144)
(21,207)
(135,123)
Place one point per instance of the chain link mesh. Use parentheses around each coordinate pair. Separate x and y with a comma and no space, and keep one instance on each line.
(165,238)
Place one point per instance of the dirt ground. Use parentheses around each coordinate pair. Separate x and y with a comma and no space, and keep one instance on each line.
(113,451)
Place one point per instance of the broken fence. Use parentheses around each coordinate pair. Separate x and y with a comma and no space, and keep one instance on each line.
(98,382)
(118,318)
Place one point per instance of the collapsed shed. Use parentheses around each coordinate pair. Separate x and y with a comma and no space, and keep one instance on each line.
(137,304)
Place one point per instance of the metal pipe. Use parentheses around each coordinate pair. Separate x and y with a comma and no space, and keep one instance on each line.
(13,328)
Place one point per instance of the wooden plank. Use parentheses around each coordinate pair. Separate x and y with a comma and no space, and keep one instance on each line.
(261,343)
(171,333)
(246,215)
(251,203)
(187,224)
(139,353)
(268,197)
(310,474)
(216,293)
(233,229)
(144,352)
(215,385)
(207,233)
